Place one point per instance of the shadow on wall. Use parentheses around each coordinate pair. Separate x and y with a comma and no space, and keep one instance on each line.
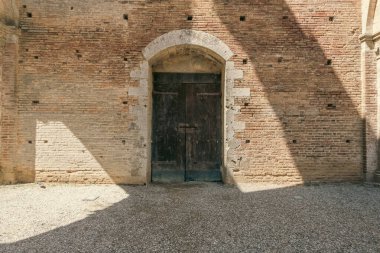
(9,12)
(298,102)
(77,120)
(200,218)
(314,109)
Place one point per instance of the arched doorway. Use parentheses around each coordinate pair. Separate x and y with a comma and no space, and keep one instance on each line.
(167,50)
(187,119)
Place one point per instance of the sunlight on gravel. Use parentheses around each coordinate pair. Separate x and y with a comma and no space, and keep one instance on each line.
(29,210)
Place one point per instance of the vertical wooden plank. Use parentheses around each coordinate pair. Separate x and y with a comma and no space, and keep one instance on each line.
(168,147)
(203,149)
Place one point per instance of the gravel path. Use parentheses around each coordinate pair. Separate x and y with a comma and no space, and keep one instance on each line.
(193,217)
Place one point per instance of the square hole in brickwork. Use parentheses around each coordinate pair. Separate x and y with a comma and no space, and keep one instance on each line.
(125,59)
(245,61)
(125,102)
(71,8)
(36,57)
(29,14)
(285,17)
(190,17)
(35,102)
(24,6)
(348,141)
(294,141)
(247,141)
(280,59)
(242,18)
(328,62)
(331,106)
(125,16)
(331,18)
(246,104)
(30,142)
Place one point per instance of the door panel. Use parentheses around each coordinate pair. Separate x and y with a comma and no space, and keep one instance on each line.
(203,143)
(168,158)
(186,127)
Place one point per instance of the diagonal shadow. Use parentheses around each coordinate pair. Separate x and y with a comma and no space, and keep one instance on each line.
(217,218)
(313,106)
(305,109)
(304,73)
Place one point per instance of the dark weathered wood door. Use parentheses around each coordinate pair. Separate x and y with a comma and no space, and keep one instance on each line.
(186,127)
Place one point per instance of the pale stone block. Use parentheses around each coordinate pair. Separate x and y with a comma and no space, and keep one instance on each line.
(239,125)
(241,92)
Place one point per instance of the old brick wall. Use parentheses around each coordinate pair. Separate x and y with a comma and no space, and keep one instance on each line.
(8,72)
(301,63)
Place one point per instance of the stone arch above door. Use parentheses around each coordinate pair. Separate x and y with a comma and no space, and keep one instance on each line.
(215,48)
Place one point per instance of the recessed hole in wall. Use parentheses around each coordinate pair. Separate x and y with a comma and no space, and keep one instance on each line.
(71,8)
(26,50)
(45,141)
(123,141)
(331,18)
(245,61)
(331,106)
(77,51)
(125,16)
(294,141)
(348,141)
(125,102)
(242,18)
(247,141)
(36,57)
(20,61)
(246,104)
(190,17)
(328,62)
(125,59)
(30,142)
(29,14)
(280,59)
(35,102)
(79,56)
(24,6)
(285,17)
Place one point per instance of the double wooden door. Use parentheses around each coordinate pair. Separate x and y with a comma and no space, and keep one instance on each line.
(186,127)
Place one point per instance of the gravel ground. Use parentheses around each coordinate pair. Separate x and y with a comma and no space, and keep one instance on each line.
(192,217)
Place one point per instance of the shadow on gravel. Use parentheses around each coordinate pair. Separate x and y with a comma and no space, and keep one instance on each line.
(211,217)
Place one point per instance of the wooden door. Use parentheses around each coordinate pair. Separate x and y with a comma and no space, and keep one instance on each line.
(186,127)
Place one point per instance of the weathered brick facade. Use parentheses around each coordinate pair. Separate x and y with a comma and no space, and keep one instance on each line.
(76,102)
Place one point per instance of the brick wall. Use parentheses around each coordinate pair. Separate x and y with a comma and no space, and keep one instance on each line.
(301,63)
(8,73)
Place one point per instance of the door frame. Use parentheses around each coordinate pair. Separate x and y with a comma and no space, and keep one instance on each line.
(142,92)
